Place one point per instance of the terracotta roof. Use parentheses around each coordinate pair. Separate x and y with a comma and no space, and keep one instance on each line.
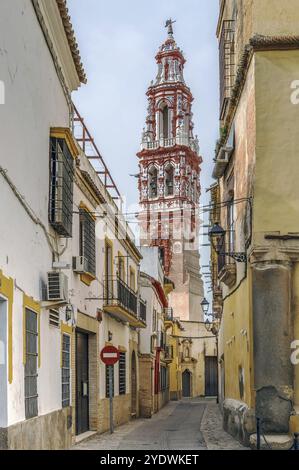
(70,34)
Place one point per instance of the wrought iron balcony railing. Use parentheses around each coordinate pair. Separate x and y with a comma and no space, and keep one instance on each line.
(117,292)
(168,313)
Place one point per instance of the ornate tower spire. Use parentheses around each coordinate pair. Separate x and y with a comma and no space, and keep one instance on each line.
(169,177)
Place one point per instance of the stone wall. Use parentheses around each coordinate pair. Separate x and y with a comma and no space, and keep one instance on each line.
(121,412)
(48,432)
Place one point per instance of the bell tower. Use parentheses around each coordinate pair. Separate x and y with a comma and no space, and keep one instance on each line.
(169,180)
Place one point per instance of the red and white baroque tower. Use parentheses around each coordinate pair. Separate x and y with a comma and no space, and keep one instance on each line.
(169,182)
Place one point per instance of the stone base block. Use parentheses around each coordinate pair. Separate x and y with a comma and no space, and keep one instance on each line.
(238,420)
(52,431)
(272,442)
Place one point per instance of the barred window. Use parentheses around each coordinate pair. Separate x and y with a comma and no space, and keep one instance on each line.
(122,373)
(66,370)
(87,240)
(61,187)
(31,396)
(107,381)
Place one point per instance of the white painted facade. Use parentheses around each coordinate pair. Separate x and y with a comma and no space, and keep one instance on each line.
(38,99)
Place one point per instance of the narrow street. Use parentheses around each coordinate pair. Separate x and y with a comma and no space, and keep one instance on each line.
(185,425)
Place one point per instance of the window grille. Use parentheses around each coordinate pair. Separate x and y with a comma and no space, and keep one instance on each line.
(31,395)
(87,240)
(122,373)
(226,63)
(61,187)
(107,381)
(54,318)
(66,370)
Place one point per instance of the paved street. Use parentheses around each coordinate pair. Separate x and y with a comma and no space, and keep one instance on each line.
(186,425)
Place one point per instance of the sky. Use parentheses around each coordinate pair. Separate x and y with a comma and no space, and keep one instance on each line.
(118,41)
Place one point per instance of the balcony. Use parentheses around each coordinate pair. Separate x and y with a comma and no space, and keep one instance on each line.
(228,274)
(121,302)
(166,143)
(168,314)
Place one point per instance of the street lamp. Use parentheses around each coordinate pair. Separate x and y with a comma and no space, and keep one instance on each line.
(217,237)
(208,325)
(205,306)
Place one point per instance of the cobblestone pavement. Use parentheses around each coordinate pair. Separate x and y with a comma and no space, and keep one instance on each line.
(185,425)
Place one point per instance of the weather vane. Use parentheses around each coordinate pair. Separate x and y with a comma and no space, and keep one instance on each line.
(168,25)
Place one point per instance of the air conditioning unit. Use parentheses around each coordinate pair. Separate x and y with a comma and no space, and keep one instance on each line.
(80,264)
(57,288)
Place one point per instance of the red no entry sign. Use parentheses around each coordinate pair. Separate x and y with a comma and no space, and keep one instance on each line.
(110,355)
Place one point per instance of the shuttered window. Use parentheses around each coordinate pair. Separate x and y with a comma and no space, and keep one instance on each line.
(54,318)
(61,187)
(87,240)
(66,370)
(31,396)
(107,381)
(122,373)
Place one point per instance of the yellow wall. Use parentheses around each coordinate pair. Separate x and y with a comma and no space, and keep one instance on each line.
(277,169)
(175,370)
(236,344)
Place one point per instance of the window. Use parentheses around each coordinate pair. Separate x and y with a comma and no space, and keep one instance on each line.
(227,63)
(54,319)
(87,240)
(153,339)
(61,187)
(121,267)
(154,320)
(153,182)
(107,381)
(66,370)
(31,395)
(165,119)
(108,271)
(132,279)
(169,174)
(122,373)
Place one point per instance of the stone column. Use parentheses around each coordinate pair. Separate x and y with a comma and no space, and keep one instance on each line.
(272,337)
(296,337)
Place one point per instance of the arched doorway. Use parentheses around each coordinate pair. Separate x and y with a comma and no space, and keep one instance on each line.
(187,383)
(133,385)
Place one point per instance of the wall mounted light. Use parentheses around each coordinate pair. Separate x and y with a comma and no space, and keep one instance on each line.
(217,238)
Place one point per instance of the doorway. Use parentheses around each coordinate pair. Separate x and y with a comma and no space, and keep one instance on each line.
(82,385)
(133,385)
(211,375)
(187,384)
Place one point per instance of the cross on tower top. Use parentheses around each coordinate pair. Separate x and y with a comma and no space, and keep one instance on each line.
(168,25)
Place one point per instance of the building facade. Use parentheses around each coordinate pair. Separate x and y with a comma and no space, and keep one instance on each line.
(69,266)
(255,274)
(155,354)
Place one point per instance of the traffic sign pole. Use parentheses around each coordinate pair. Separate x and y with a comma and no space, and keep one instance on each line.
(111,398)
(110,356)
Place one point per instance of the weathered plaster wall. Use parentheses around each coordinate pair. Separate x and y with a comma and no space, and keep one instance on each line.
(277,171)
